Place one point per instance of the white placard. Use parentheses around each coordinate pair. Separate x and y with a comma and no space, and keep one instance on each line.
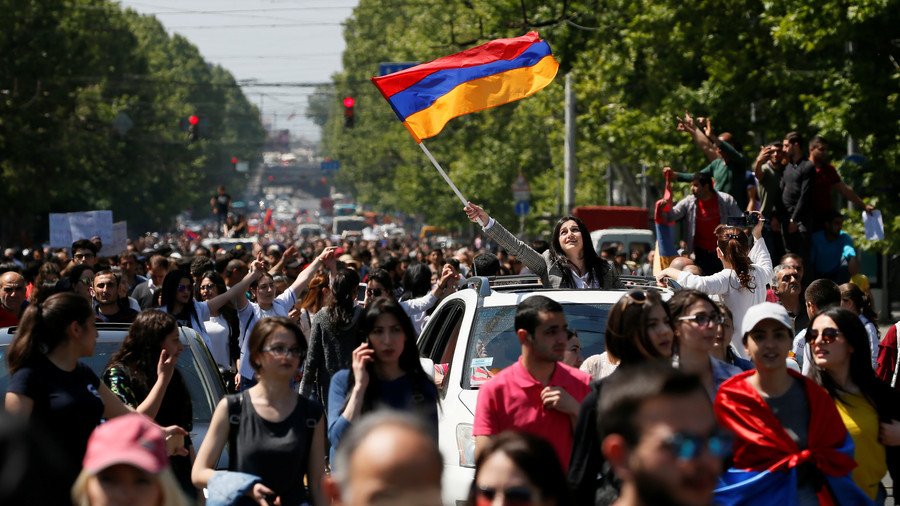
(70,227)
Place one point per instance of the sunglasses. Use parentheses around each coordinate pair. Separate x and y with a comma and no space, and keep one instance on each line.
(513,496)
(689,446)
(374,292)
(637,296)
(704,320)
(183,288)
(828,335)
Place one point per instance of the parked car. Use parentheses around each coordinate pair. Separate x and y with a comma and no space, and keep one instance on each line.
(627,239)
(195,364)
(471,337)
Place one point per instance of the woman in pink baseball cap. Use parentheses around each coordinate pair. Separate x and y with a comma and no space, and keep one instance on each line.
(127,464)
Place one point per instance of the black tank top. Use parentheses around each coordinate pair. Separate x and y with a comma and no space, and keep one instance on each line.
(278,452)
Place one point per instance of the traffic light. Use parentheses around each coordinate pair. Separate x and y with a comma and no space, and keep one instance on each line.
(193,127)
(234,162)
(349,115)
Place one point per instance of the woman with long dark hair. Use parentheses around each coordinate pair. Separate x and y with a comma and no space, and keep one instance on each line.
(696,320)
(333,336)
(223,325)
(638,329)
(522,469)
(273,433)
(143,375)
(869,408)
(742,282)
(570,262)
(177,299)
(386,372)
(855,300)
(50,386)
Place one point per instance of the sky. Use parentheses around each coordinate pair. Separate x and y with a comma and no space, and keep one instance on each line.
(269,41)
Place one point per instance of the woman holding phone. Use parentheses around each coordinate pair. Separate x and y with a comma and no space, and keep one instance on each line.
(386,372)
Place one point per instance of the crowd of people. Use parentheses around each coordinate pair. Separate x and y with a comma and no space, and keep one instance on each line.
(756,383)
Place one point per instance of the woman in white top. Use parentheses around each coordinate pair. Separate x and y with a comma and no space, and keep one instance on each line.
(223,326)
(742,282)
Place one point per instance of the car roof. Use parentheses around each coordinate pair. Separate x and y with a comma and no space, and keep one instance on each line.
(106,333)
(513,297)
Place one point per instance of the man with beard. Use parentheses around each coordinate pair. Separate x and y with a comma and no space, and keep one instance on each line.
(107,304)
(537,394)
(659,434)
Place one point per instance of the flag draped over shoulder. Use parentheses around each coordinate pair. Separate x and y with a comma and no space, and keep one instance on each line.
(427,96)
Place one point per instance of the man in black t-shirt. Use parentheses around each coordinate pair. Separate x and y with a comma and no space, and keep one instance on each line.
(796,191)
(220,204)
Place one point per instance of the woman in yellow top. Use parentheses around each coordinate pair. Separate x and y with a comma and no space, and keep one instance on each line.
(868,407)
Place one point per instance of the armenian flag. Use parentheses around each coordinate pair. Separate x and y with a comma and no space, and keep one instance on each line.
(427,96)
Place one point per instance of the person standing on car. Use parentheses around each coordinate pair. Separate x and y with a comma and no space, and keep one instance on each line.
(143,375)
(537,394)
(571,261)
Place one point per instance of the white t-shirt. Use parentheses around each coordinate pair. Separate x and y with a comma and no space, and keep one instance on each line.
(250,315)
(217,329)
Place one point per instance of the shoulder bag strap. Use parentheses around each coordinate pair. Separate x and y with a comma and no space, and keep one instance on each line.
(896,354)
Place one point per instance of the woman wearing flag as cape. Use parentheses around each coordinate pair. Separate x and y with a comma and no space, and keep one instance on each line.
(571,262)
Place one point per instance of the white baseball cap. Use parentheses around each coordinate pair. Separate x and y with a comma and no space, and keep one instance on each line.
(766,311)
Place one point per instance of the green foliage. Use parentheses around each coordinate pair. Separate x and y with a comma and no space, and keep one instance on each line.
(758,68)
(91,112)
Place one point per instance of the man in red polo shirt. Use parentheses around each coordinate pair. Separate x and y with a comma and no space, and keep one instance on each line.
(538,394)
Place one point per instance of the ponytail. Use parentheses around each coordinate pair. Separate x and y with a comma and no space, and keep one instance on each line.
(43,327)
(735,247)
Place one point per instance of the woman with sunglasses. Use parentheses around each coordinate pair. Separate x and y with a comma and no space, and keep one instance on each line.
(638,330)
(177,300)
(273,433)
(855,300)
(518,469)
(790,445)
(869,408)
(223,325)
(570,262)
(696,320)
(742,282)
(385,372)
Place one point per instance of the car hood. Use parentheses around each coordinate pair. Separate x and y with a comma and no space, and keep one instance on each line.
(469,399)
(198,432)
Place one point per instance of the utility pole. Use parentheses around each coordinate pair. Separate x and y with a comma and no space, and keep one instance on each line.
(569,148)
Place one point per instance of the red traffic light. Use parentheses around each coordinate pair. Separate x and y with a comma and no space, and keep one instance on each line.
(349,102)
(234,160)
(193,119)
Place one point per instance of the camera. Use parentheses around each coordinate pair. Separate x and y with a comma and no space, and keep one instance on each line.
(747,220)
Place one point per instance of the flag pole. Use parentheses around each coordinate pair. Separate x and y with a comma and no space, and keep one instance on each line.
(446,178)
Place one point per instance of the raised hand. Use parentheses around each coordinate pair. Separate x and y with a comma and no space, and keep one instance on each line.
(166,365)
(476,214)
(362,356)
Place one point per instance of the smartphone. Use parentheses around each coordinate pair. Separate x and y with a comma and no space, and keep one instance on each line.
(361,292)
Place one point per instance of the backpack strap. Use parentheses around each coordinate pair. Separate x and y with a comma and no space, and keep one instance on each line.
(235,404)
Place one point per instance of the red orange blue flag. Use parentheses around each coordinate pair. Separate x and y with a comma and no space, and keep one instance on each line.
(427,96)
